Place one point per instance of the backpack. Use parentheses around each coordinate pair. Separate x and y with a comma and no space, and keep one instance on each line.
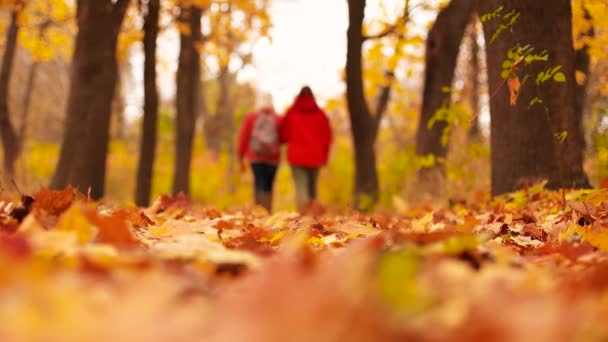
(264,139)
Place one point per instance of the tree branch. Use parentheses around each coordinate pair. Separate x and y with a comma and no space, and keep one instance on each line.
(383,99)
(118,14)
(385,91)
(391,29)
(386,32)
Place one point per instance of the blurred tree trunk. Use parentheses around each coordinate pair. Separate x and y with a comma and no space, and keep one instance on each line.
(31,84)
(364,125)
(27,100)
(217,127)
(583,65)
(224,124)
(442,47)
(147,150)
(187,95)
(82,159)
(10,141)
(117,120)
(523,143)
(230,129)
(474,133)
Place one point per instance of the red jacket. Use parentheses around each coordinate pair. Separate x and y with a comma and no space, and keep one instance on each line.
(243,149)
(306,131)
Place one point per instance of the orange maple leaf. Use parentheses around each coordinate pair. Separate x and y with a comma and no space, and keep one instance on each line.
(514,86)
(53,202)
(113,228)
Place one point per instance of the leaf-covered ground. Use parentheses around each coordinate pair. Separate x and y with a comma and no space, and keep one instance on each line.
(531,266)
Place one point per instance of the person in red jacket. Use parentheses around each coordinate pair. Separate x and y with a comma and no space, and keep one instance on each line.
(259,142)
(306,130)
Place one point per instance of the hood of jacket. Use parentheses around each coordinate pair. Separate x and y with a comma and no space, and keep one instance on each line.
(305,104)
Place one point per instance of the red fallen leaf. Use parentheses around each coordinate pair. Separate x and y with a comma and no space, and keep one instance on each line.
(53,202)
(318,230)
(164,202)
(250,241)
(221,225)
(525,217)
(534,231)
(113,229)
(15,246)
(383,221)
(594,278)
(568,250)
(8,224)
(212,213)
(137,217)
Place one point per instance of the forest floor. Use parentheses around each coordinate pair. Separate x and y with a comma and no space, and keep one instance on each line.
(530,266)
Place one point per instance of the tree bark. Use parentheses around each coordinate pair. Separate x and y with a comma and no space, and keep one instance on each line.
(94,73)
(442,48)
(10,141)
(523,143)
(364,126)
(187,95)
(147,152)
(583,65)
(474,133)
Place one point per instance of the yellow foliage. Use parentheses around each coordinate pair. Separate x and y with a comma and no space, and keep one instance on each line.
(47,29)
(596,235)
(74,220)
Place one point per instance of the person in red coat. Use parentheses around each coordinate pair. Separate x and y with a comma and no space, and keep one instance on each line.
(306,131)
(259,142)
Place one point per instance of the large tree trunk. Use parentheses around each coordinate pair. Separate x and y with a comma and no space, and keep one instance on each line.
(523,143)
(442,47)
(583,65)
(473,78)
(148,139)
(187,95)
(10,142)
(94,73)
(364,126)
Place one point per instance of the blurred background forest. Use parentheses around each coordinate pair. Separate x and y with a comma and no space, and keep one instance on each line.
(172,79)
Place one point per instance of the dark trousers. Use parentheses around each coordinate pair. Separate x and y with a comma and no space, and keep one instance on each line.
(263,175)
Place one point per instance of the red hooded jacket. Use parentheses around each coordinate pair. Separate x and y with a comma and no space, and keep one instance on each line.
(243,149)
(306,131)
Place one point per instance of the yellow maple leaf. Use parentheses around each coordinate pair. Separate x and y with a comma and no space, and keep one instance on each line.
(74,220)
(420,225)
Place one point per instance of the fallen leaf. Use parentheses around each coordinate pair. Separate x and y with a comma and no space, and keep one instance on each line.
(53,202)
(113,228)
